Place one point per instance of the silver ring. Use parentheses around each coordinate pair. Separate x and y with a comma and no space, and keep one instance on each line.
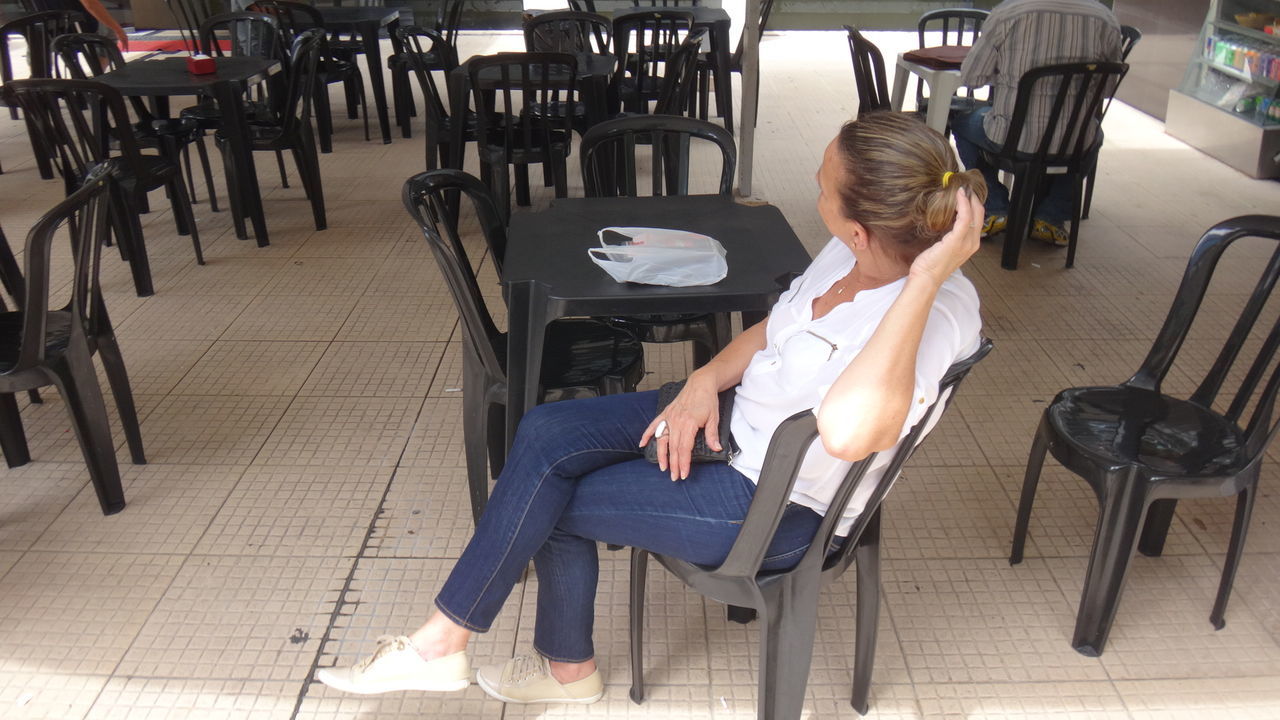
(660,430)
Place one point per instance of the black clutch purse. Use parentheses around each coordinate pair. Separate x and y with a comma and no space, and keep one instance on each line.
(701,453)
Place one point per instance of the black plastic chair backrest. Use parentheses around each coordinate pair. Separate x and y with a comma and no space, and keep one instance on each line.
(657,35)
(582,5)
(608,154)
(190,15)
(868,73)
(1186,303)
(77,120)
(766,9)
(85,213)
(294,17)
(680,76)
(449,20)
(411,38)
(427,197)
(38,30)
(251,34)
(86,55)
(959,26)
(666,3)
(1129,36)
(1072,98)
(568,31)
(786,453)
(534,88)
(304,61)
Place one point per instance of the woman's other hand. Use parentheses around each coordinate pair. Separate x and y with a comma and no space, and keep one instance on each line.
(962,241)
(695,408)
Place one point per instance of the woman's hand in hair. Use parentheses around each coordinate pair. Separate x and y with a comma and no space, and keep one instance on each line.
(948,254)
(697,406)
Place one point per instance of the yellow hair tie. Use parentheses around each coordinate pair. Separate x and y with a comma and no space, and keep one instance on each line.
(946,176)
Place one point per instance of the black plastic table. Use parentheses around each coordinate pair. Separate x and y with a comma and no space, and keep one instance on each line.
(548,275)
(169,76)
(717,22)
(594,72)
(367,21)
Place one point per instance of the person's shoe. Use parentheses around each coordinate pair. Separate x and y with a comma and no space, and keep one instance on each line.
(527,679)
(396,665)
(1047,232)
(994,224)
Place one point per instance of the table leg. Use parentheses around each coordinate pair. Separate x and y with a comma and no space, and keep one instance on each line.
(724,77)
(373,60)
(243,178)
(526,332)
(942,87)
(900,76)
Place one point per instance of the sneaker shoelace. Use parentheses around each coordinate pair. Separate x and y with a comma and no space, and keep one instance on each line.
(525,669)
(386,644)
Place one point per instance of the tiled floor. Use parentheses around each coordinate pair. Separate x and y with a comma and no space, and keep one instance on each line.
(305,491)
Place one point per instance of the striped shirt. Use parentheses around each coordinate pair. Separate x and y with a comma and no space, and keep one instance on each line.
(1024,34)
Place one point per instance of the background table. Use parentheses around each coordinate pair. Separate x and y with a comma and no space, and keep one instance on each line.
(548,274)
(943,85)
(717,23)
(368,21)
(169,76)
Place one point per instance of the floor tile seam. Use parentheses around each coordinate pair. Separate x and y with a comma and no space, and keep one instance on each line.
(341,601)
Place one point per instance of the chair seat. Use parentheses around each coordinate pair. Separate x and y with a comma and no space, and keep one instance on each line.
(209,115)
(431,59)
(664,328)
(182,129)
(580,352)
(1160,434)
(56,337)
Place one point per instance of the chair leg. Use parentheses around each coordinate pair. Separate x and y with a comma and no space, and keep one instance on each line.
(191,178)
(786,646)
(182,211)
(309,168)
(13,440)
(1088,192)
(639,574)
(233,194)
(1075,220)
(208,173)
(522,185)
(364,105)
(1123,507)
(1019,219)
(867,557)
(399,92)
(284,174)
(560,170)
(324,120)
(475,433)
(1155,529)
(1035,462)
(78,385)
(1244,509)
(118,380)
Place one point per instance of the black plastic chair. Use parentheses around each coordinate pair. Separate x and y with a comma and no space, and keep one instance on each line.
(955,26)
(292,129)
(706,63)
(38,31)
(40,345)
(1141,450)
(442,55)
(78,120)
(568,32)
(868,73)
(610,169)
(1129,36)
(295,18)
(521,118)
(1072,99)
(666,3)
(642,44)
(85,55)
(787,601)
(582,358)
(420,45)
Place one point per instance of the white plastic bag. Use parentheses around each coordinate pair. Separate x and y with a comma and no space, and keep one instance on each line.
(658,256)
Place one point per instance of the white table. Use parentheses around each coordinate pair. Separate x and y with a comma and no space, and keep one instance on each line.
(943,85)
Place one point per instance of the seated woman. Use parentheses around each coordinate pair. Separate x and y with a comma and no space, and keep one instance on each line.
(864,336)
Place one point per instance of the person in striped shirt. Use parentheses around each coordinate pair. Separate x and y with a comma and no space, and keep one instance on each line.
(1017,36)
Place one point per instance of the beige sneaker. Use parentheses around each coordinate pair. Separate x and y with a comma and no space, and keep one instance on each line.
(396,665)
(527,679)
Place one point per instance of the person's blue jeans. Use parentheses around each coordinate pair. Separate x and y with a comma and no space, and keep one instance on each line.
(971,139)
(576,476)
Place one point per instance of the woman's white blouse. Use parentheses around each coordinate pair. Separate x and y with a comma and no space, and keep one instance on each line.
(803,357)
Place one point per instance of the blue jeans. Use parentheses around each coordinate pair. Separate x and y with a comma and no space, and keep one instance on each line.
(971,139)
(575,477)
